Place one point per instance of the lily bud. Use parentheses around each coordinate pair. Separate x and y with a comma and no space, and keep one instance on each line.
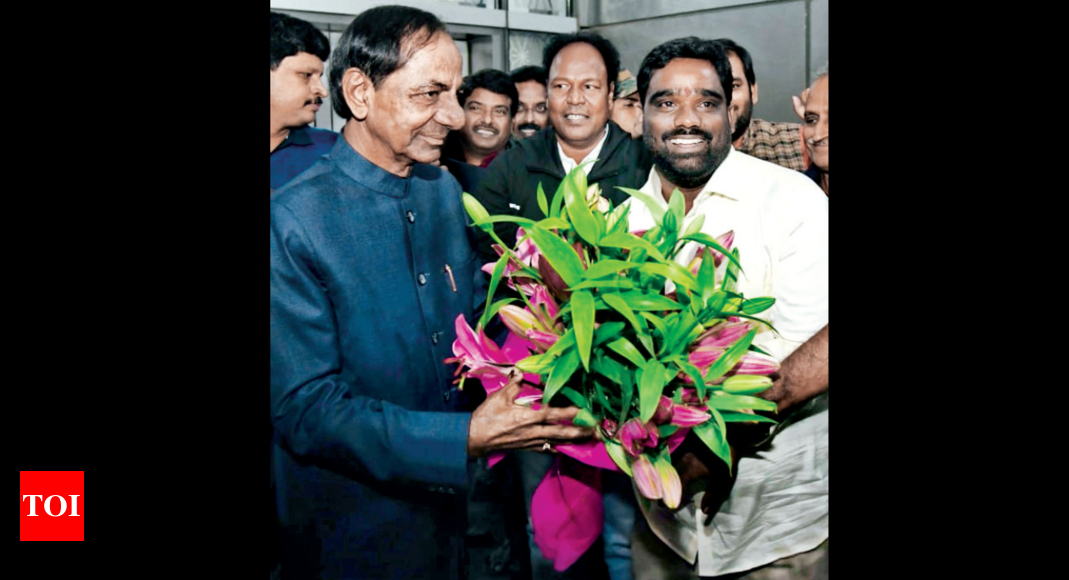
(647,478)
(518,320)
(663,413)
(723,334)
(724,240)
(542,297)
(671,488)
(687,416)
(704,357)
(755,363)
(746,384)
(541,339)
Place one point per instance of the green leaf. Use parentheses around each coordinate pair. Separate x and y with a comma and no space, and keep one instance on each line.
(566,366)
(583,322)
(707,240)
(558,200)
(584,418)
(657,323)
(656,208)
(673,272)
(646,301)
(495,279)
(505,218)
(538,364)
(619,218)
(490,312)
(730,357)
(607,367)
(474,208)
(714,438)
(624,348)
(606,331)
(554,223)
(630,241)
(618,455)
(731,417)
(542,204)
(650,388)
(559,254)
(565,341)
(732,274)
(695,225)
(707,276)
(604,268)
(736,402)
(756,305)
(667,430)
(618,284)
(580,214)
(676,205)
(574,396)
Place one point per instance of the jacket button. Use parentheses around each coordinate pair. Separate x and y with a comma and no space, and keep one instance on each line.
(434,337)
(422,279)
(411,216)
(445,396)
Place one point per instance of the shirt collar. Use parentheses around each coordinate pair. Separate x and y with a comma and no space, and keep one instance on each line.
(298,136)
(569,165)
(726,182)
(367,173)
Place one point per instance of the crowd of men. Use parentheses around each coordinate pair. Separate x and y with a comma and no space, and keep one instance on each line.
(373,448)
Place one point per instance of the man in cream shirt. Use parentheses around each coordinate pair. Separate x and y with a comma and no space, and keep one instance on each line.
(777,512)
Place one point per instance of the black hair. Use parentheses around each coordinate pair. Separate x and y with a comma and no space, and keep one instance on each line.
(372,43)
(529,73)
(494,81)
(744,55)
(609,55)
(689,47)
(290,36)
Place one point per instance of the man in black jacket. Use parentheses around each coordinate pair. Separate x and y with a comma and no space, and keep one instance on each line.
(581,68)
(580,102)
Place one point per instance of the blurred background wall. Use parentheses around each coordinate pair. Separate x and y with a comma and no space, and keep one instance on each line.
(788,39)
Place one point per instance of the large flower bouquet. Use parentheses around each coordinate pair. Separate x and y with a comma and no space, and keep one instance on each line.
(608,321)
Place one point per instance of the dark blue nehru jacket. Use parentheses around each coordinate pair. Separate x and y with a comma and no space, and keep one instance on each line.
(370,448)
(298,152)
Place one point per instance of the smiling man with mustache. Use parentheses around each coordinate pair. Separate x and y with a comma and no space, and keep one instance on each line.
(371,265)
(489,99)
(775,513)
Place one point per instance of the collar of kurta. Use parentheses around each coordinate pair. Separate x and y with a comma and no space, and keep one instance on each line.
(726,182)
(298,136)
(366,173)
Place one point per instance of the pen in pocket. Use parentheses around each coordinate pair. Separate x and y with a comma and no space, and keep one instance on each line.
(452,282)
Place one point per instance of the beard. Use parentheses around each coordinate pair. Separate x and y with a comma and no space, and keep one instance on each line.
(742,123)
(689,170)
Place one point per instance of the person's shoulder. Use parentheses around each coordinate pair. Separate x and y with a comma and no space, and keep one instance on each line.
(322,136)
(308,187)
(774,128)
(778,183)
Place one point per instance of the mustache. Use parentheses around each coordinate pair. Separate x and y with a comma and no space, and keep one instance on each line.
(315,101)
(823,141)
(485,128)
(529,127)
(692,131)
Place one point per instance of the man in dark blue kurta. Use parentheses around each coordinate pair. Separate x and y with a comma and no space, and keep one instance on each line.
(371,263)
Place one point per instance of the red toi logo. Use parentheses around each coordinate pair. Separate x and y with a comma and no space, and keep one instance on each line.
(53,505)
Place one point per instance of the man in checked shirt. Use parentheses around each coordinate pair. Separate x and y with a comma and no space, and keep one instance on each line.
(779,143)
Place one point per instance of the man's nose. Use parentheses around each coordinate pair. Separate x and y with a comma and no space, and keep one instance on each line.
(318,88)
(575,95)
(686,117)
(450,114)
(821,131)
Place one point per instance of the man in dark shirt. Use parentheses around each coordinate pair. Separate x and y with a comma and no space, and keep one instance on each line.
(298,50)
(489,100)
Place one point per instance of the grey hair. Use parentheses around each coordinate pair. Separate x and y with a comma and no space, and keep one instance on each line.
(821,73)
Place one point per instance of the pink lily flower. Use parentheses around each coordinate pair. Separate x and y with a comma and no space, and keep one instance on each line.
(542,339)
(663,413)
(477,352)
(541,298)
(634,435)
(724,240)
(689,416)
(647,478)
(609,426)
(755,363)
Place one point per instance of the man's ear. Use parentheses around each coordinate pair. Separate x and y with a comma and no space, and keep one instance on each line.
(358,91)
(753,93)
